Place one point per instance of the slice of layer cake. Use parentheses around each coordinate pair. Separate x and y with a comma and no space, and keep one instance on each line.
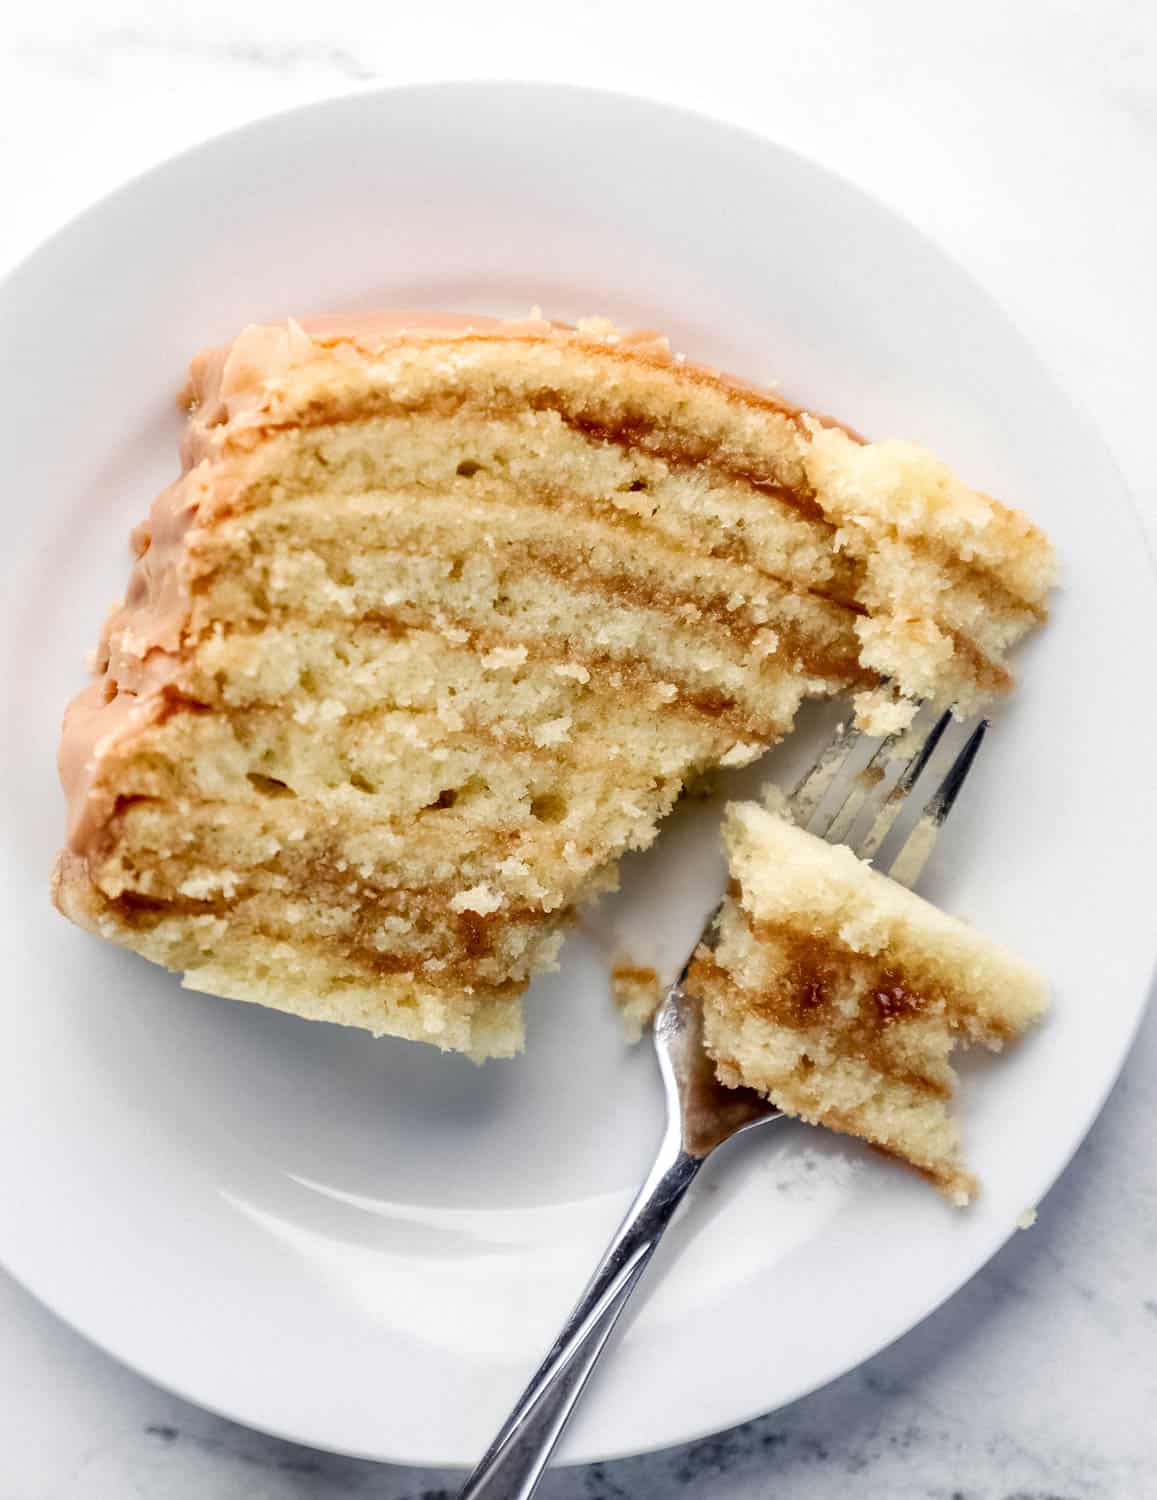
(438,620)
(841,995)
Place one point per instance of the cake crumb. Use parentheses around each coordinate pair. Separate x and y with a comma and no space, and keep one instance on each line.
(774,798)
(881,712)
(741,754)
(504,657)
(479,898)
(213,883)
(1027,1219)
(636,990)
(552,732)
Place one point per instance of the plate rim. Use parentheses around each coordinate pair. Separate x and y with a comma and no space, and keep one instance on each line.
(1092,437)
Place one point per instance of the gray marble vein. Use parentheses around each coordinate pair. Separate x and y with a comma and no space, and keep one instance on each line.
(86,52)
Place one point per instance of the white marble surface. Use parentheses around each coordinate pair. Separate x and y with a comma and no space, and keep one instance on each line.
(1022,138)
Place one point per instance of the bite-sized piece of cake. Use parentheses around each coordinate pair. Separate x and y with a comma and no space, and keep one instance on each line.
(840,995)
(637,990)
(436,624)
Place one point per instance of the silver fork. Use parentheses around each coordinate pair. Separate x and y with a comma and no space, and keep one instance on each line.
(701,1112)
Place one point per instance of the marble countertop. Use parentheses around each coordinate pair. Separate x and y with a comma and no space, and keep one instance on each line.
(1023,140)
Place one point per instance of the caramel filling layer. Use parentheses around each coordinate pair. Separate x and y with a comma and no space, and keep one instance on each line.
(806,998)
(642,432)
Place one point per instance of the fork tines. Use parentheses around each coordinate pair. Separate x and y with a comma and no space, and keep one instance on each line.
(916,749)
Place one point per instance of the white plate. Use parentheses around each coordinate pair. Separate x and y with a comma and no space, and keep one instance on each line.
(365,1245)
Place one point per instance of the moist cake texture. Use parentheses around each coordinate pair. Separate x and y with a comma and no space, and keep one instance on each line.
(439,618)
(841,995)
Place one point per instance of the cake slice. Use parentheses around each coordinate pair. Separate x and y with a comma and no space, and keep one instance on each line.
(437,621)
(841,995)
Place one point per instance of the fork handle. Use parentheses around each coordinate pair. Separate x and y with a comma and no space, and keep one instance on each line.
(515,1461)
